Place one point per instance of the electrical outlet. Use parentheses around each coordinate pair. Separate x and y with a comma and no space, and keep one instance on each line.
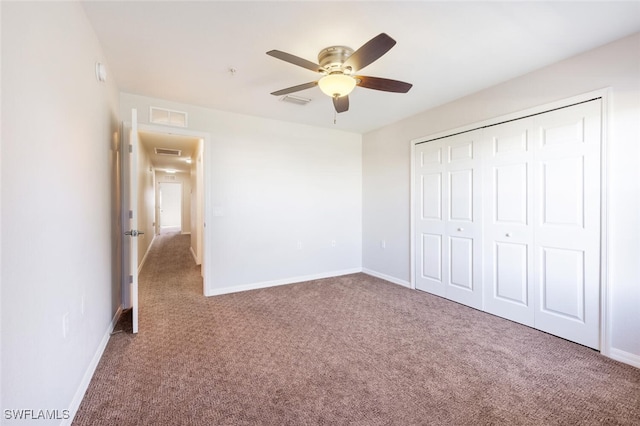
(333,243)
(65,325)
(299,245)
(383,244)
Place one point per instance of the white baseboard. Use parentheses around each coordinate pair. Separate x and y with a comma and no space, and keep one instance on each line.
(144,258)
(193,253)
(386,277)
(88,374)
(292,280)
(626,357)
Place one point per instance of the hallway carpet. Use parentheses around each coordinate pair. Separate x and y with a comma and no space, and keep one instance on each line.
(351,350)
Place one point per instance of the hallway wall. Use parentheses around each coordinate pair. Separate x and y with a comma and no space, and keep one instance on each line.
(146,203)
(196,202)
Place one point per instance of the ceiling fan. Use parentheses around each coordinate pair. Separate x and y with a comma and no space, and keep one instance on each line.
(339,65)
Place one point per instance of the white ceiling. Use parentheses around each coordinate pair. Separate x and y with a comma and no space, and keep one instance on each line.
(183,51)
(187,145)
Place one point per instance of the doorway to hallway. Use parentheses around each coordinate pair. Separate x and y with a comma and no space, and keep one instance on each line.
(175,157)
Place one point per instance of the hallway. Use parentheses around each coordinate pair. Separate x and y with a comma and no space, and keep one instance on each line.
(169,281)
(169,276)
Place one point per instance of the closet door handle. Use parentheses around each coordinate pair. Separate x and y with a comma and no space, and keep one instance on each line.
(460,229)
(508,234)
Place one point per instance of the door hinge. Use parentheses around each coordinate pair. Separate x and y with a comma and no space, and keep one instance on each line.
(130,148)
(130,214)
(130,279)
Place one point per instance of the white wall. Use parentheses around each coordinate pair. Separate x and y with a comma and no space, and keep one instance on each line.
(386,169)
(273,185)
(59,205)
(197,199)
(1,381)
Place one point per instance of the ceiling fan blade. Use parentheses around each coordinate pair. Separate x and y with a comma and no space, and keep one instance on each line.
(384,84)
(295,60)
(297,88)
(341,104)
(370,52)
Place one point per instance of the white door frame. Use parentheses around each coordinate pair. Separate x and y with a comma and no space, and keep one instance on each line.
(206,193)
(604,94)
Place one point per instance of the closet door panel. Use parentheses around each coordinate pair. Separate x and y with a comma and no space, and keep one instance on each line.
(431,189)
(448,223)
(511,274)
(461,263)
(567,223)
(510,188)
(562,283)
(562,193)
(431,196)
(461,195)
(508,231)
(464,219)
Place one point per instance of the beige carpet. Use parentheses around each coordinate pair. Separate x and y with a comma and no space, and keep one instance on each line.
(349,350)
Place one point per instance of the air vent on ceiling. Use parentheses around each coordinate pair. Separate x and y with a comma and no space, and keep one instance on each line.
(167,117)
(298,100)
(168,151)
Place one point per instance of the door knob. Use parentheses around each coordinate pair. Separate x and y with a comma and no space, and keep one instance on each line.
(134,233)
(460,229)
(508,234)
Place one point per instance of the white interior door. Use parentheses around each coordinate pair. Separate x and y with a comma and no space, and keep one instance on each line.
(130,213)
(448,219)
(567,223)
(508,220)
(170,200)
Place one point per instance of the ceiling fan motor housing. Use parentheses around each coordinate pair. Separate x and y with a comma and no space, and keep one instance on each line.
(333,57)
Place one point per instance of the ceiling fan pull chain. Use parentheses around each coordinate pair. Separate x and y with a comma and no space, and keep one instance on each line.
(335,116)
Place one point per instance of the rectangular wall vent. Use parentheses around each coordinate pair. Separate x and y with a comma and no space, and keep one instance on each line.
(298,100)
(168,117)
(168,151)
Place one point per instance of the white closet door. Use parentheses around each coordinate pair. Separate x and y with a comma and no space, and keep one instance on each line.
(463,280)
(567,222)
(508,220)
(448,223)
(430,177)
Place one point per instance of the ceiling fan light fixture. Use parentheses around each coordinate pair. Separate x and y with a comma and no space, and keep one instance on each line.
(337,85)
